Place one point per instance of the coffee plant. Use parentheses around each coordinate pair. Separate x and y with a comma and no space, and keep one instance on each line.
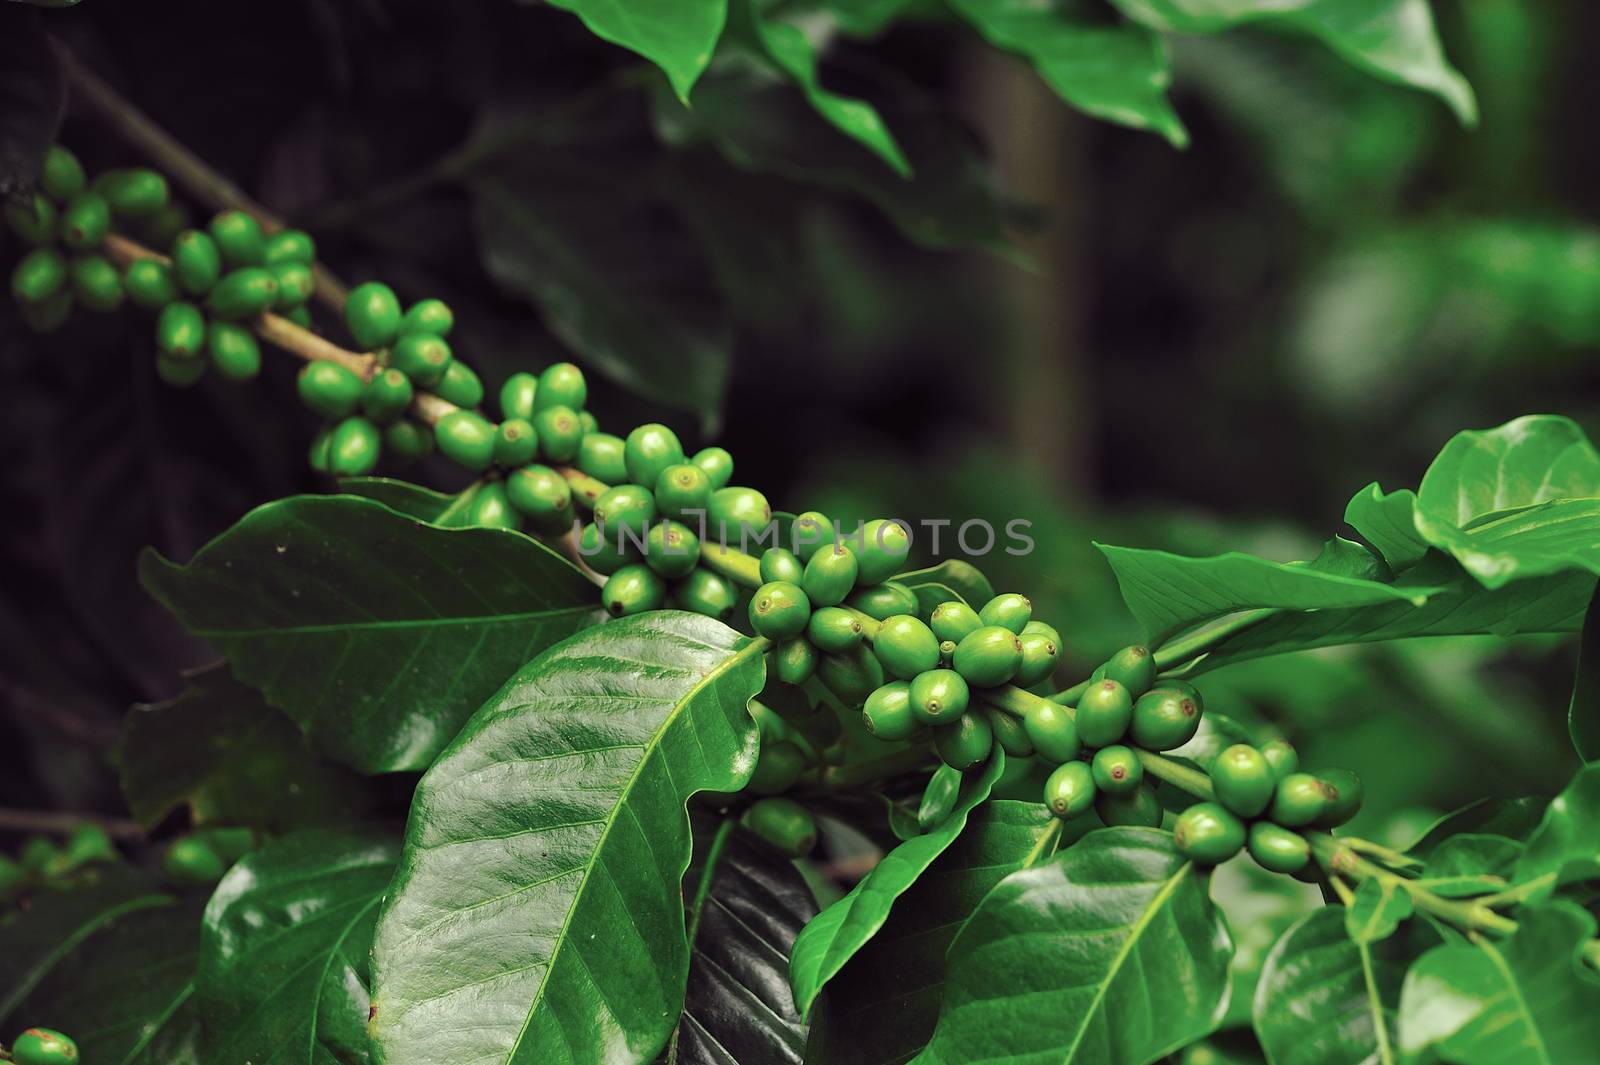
(642,724)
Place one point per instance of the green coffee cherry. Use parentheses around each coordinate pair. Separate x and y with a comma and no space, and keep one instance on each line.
(1052,730)
(627,506)
(241,242)
(682,489)
(289,246)
(633,589)
(85,221)
(326,387)
(672,550)
(954,620)
(733,509)
(516,396)
(779,564)
(466,438)
(459,384)
(810,532)
(1299,800)
(387,396)
(590,423)
(560,433)
(354,447)
(490,507)
(39,275)
(34,222)
(62,176)
(834,629)
(779,609)
(1243,780)
(887,713)
(543,495)
(709,593)
(883,601)
(1164,719)
(1117,770)
(1208,834)
(885,544)
(38,854)
(150,284)
(1008,610)
(181,331)
(964,742)
(1104,713)
(158,228)
(939,696)
(600,456)
(717,465)
(604,552)
(649,450)
(435,316)
(89,843)
(180,371)
(1047,629)
(989,656)
(852,675)
(321,443)
(96,283)
(1277,849)
(830,575)
(43,1046)
(295,284)
(422,357)
(1070,790)
(407,441)
(1132,667)
(1282,757)
(785,824)
(904,645)
(234,351)
(12,877)
(795,659)
(134,192)
(48,315)
(1039,658)
(1345,792)
(196,261)
(191,860)
(372,314)
(243,293)
(1010,733)
(515,443)
(778,767)
(561,385)
(231,843)
(1139,808)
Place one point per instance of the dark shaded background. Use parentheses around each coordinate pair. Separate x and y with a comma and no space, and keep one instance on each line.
(1213,348)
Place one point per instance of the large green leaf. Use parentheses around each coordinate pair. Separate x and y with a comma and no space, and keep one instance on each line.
(1566,845)
(1107,68)
(1393,39)
(412,500)
(1325,1000)
(1526,1000)
(112,963)
(1388,522)
(284,973)
(1583,712)
(900,972)
(376,633)
(963,578)
(676,35)
(1110,952)
(1472,863)
(830,940)
(536,915)
(232,759)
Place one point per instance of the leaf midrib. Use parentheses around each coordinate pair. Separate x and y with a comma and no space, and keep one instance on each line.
(404,623)
(1514,989)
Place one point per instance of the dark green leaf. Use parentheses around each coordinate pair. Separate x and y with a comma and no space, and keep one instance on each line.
(1583,713)
(232,759)
(963,578)
(1107,68)
(1566,845)
(412,500)
(284,972)
(1393,39)
(1525,1000)
(676,35)
(1388,523)
(830,940)
(1376,911)
(1471,863)
(536,915)
(1513,819)
(1108,952)
(377,633)
(32,99)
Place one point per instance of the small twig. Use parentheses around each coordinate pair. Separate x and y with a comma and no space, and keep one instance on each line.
(61,824)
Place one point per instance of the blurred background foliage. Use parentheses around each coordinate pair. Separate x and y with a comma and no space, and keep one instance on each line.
(1056,319)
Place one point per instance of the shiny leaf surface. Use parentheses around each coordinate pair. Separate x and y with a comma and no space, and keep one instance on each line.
(1566,845)
(676,35)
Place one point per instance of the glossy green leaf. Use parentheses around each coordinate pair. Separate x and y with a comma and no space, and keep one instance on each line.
(1388,522)
(963,578)
(1376,911)
(1566,845)
(1325,1000)
(111,962)
(412,500)
(1471,863)
(1393,39)
(220,750)
(830,940)
(376,633)
(1115,70)
(1531,542)
(1534,459)
(900,972)
(1583,712)
(676,35)
(1525,1000)
(536,916)
(1513,819)
(1110,952)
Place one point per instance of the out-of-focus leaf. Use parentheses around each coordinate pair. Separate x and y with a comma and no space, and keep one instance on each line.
(1376,912)
(961,577)
(676,35)
(32,99)
(1566,845)
(1583,713)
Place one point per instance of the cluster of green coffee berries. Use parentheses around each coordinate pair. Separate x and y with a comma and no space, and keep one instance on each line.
(43,1046)
(41,862)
